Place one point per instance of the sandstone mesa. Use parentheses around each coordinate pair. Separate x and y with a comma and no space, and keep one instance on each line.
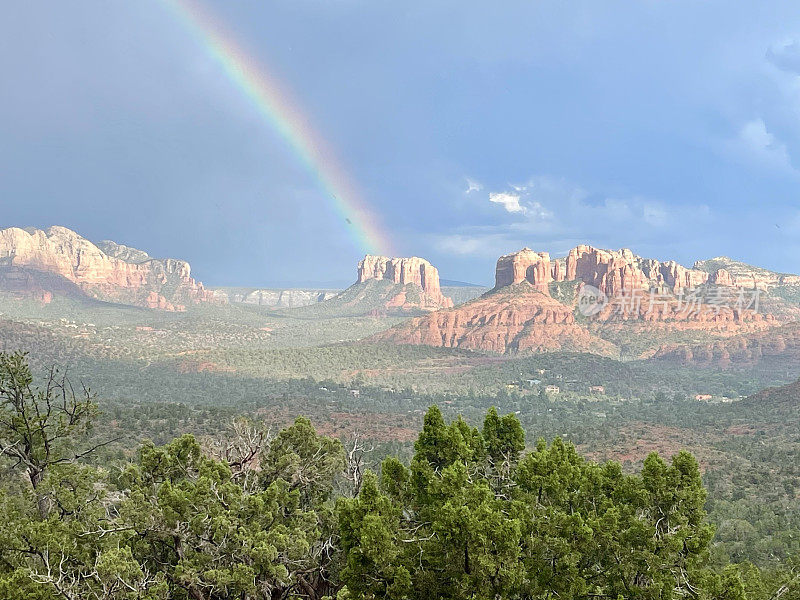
(405,271)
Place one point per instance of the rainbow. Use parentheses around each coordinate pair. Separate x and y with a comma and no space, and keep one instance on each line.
(276,105)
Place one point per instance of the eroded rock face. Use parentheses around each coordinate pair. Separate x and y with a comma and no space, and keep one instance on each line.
(520,314)
(677,277)
(618,272)
(516,318)
(405,271)
(782,343)
(622,272)
(558,270)
(726,271)
(683,311)
(525,265)
(109,272)
(24,284)
(721,277)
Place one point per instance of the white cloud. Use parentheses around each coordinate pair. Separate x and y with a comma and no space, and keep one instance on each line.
(755,144)
(555,215)
(473,186)
(509,201)
(523,200)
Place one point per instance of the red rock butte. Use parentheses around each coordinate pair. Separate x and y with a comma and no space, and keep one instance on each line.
(521,314)
(525,265)
(406,271)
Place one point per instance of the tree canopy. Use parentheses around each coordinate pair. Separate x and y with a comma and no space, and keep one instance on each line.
(292,514)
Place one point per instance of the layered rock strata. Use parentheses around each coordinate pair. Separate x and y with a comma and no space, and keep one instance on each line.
(106,271)
(413,271)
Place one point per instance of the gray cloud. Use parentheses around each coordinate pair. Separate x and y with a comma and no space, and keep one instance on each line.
(785,56)
(555,214)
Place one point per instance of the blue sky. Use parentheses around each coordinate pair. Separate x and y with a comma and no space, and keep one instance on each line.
(474,129)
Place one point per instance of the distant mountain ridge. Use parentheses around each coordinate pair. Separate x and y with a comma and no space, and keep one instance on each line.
(39,263)
(276,297)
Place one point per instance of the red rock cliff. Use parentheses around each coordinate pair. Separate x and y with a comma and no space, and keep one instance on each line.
(618,272)
(114,273)
(521,315)
(726,271)
(404,271)
(508,320)
(525,265)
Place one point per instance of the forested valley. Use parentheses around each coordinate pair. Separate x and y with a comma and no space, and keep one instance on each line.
(259,512)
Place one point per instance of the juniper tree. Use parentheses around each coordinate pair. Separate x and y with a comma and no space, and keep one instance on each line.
(547,524)
(39,426)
